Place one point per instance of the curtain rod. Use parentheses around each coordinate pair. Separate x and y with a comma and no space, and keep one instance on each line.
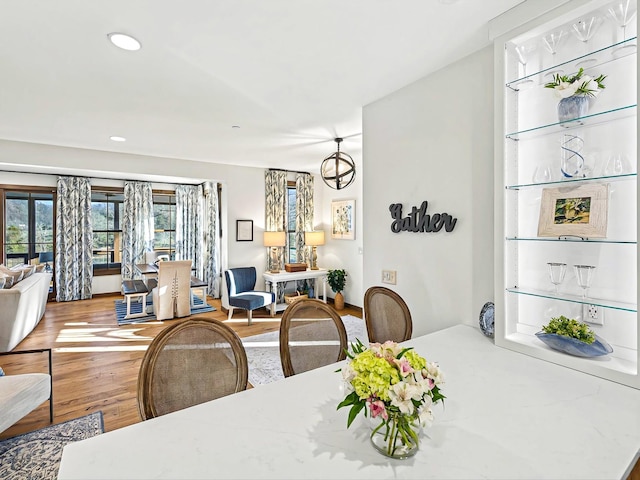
(283,170)
(98,178)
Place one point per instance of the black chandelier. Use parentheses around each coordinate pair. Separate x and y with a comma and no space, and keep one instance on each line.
(338,170)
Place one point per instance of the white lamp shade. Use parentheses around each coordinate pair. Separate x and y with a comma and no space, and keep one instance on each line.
(275,239)
(313,239)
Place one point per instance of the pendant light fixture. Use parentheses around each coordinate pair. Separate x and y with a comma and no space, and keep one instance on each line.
(338,170)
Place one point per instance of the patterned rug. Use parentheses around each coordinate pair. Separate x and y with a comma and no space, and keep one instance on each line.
(36,455)
(263,351)
(136,307)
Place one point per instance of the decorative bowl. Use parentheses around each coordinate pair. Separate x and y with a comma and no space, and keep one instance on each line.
(573,346)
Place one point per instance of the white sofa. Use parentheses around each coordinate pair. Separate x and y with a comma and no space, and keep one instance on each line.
(21,308)
(22,393)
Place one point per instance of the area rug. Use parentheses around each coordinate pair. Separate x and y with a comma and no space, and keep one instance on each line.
(136,307)
(263,351)
(36,455)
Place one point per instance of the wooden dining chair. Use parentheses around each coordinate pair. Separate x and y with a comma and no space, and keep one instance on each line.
(311,335)
(189,363)
(172,295)
(386,315)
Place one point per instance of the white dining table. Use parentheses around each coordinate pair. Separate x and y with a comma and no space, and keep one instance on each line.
(506,416)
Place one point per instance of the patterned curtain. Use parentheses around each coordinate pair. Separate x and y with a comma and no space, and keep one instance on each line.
(189,234)
(137,226)
(304,214)
(74,239)
(211,244)
(275,208)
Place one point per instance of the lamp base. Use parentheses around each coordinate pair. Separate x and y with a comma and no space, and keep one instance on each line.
(314,268)
(274,271)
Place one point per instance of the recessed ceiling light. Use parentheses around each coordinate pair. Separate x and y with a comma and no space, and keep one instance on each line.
(115,138)
(124,41)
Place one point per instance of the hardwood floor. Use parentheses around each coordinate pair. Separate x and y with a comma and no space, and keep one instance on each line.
(96,362)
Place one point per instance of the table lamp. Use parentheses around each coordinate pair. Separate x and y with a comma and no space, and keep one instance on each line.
(46,257)
(275,240)
(313,239)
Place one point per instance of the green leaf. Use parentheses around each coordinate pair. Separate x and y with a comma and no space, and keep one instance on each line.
(353,413)
(350,399)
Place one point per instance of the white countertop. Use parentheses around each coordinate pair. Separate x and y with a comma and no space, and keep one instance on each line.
(506,416)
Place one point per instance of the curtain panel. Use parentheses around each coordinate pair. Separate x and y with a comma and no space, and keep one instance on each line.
(74,239)
(304,214)
(275,206)
(137,226)
(189,225)
(211,243)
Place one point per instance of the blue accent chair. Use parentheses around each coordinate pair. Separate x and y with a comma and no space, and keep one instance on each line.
(240,287)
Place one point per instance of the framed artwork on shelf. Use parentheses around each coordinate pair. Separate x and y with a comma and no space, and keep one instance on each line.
(343,219)
(244,230)
(574,211)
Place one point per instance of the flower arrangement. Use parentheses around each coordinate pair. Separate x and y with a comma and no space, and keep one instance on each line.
(578,84)
(397,386)
(570,327)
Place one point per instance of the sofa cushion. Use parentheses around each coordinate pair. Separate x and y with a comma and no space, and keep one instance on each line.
(7,280)
(26,270)
(17,275)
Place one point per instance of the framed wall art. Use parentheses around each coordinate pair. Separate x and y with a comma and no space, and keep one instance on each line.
(244,230)
(343,219)
(574,211)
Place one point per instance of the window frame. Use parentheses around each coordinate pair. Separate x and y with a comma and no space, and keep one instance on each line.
(111,268)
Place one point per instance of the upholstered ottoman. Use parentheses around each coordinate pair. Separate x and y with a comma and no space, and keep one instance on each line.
(21,394)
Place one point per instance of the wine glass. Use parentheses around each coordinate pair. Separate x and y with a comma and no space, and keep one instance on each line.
(523,51)
(556,274)
(617,164)
(542,173)
(623,13)
(584,30)
(551,41)
(584,275)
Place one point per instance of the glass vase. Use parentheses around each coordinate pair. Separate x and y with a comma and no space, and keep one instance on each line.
(573,107)
(398,437)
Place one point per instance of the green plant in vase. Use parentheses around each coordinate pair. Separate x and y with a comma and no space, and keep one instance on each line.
(571,328)
(336,280)
(575,92)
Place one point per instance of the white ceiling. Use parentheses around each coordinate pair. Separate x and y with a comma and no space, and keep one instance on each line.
(292,74)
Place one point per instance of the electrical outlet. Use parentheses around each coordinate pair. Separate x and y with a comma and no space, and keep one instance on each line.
(593,314)
(389,276)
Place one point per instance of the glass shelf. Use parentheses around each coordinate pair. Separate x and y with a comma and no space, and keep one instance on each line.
(571,181)
(627,307)
(571,239)
(601,57)
(593,119)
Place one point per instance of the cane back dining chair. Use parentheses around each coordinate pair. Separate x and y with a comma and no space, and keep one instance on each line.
(311,335)
(386,316)
(188,363)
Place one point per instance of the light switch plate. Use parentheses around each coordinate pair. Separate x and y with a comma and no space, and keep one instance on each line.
(389,276)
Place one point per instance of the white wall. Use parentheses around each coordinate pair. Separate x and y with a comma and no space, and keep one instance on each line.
(243,189)
(433,140)
(344,254)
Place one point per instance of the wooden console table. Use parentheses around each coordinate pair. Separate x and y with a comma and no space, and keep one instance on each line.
(273,279)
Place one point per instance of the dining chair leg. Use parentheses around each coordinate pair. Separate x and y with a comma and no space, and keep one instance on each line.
(230,312)
(249,316)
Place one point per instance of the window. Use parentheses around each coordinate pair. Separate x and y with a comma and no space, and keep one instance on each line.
(164,221)
(29,225)
(106,213)
(290,255)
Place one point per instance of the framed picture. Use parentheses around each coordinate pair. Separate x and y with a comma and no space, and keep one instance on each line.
(244,230)
(343,219)
(574,211)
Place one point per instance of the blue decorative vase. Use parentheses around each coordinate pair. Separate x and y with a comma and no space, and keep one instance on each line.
(573,107)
